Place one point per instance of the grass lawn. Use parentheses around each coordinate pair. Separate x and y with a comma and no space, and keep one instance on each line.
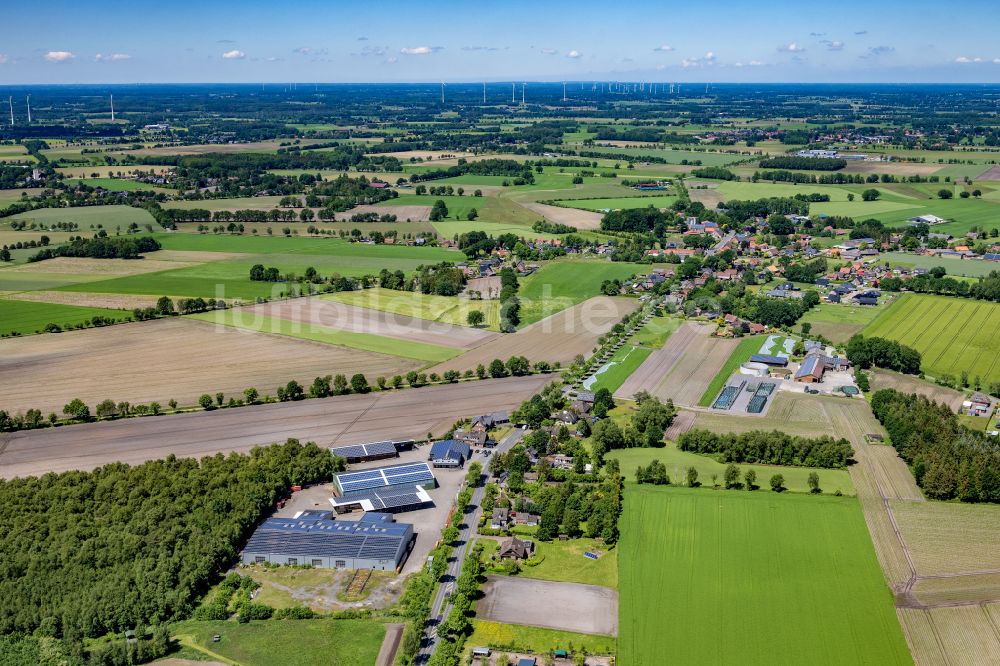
(521,638)
(27,317)
(446,309)
(656,331)
(743,190)
(381,344)
(564,561)
(109,217)
(733,577)
(677,463)
(951,334)
(114,184)
(747,348)
(282,642)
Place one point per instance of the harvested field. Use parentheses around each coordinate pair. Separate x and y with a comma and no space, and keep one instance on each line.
(921,636)
(910,384)
(947,538)
(895,168)
(179,359)
(967,635)
(333,314)
(683,422)
(574,217)
(412,213)
(409,413)
(211,148)
(111,301)
(957,590)
(585,609)
(682,369)
(195,256)
(487,286)
(992,174)
(559,337)
(711,198)
(97,267)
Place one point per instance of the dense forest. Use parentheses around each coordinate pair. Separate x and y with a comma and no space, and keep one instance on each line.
(948,460)
(87,553)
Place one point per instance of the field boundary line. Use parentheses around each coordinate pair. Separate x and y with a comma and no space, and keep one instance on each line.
(357,418)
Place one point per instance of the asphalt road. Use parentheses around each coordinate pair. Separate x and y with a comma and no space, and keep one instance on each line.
(441,606)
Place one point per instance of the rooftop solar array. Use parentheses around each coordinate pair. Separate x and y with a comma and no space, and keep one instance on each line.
(409,473)
(369,450)
(370,538)
(388,498)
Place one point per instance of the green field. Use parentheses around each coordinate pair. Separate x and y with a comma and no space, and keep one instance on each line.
(669,155)
(446,309)
(561,284)
(245,203)
(665,201)
(966,267)
(282,642)
(380,344)
(839,322)
(624,362)
(27,317)
(677,463)
(743,190)
(730,577)
(109,217)
(951,334)
(113,184)
(656,331)
(747,348)
(522,638)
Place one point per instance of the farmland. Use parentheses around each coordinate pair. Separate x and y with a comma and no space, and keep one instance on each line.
(746,348)
(558,338)
(108,217)
(419,351)
(699,581)
(26,317)
(839,322)
(626,360)
(444,309)
(952,335)
(187,357)
(558,285)
(678,462)
(404,414)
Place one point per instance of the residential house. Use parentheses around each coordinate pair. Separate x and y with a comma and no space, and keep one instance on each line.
(500,519)
(515,549)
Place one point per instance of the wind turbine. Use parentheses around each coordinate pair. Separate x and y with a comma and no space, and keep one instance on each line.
(10,100)
(564,91)
(484,92)
(523,84)
(29,109)
(112,107)
(442,93)
(513,89)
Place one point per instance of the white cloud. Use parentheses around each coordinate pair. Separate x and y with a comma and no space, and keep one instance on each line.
(549,51)
(752,63)
(966,59)
(235,54)
(420,50)
(479,48)
(996,61)
(377,51)
(392,60)
(833,45)
(4,58)
(664,48)
(273,59)
(791,47)
(112,57)
(707,60)
(59,56)
(574,54)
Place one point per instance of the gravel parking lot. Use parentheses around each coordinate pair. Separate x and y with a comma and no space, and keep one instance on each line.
(587,609)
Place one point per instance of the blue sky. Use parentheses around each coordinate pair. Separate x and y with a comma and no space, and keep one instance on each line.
(333,41)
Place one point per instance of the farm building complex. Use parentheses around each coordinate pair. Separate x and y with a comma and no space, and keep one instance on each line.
(356,453)
(408,474)
(449,453)
(314,538)
(392,499)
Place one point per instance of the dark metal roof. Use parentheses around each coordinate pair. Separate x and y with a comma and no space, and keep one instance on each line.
(769,360)
(365,450)
(375,536)
(408,474)
(450,449)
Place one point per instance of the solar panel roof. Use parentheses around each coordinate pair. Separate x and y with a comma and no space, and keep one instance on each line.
(407,473)
(365,450)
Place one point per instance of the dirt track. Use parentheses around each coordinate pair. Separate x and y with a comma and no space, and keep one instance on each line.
(333,314)
(559,337)
(174,358)
(409,413)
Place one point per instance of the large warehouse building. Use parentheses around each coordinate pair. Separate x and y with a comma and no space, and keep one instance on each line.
(315,538)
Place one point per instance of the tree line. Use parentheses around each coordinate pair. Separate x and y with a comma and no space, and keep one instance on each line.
(865,352)
(101,247)
(770,448)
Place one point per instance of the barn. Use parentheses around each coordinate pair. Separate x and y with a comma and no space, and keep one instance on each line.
(358,453)
(314,538)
